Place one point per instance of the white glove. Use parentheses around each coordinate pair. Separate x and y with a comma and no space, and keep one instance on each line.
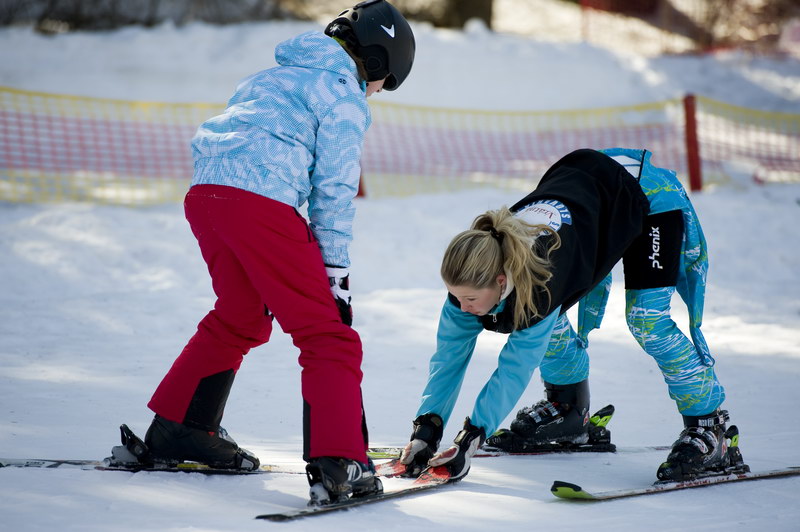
(458,457)
(424,442)
(339,279)
(416,455)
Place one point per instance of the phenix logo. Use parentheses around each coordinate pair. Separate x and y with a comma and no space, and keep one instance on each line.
(655,234)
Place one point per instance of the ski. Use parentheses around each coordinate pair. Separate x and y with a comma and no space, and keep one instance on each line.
(429,479)
(560,449)
(378,453)
(133,456)
(598,439)
(599,442)
(568,491)
(51,464)
(109,465)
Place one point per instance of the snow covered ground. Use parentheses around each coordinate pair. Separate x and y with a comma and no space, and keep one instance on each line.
(96,301)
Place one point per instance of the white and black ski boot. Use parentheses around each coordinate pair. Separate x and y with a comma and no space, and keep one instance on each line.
(334,479)
(704,448)
(562,419)
(170,442)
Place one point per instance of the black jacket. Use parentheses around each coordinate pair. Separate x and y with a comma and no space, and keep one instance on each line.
(606,211)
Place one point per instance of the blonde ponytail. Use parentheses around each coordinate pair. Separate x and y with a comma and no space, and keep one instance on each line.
(498,243)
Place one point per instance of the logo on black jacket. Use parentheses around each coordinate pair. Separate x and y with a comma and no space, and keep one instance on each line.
(551,213)
(655,235)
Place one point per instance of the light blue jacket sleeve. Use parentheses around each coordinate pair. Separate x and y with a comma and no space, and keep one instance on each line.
(335,178)
(521,355)
(455,343)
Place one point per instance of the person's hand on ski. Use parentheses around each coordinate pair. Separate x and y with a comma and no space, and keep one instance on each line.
(339,279)
(424,442)
(458,457)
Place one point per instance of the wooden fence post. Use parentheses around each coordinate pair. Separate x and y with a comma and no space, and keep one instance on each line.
(692,144)
(362,190)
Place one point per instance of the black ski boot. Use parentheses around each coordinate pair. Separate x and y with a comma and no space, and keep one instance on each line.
(561,419)
(335,479)
(199,437)
(171,442)
(704,448)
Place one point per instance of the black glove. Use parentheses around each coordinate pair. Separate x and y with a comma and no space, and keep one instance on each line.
(457,458)
(339,278)
(425,440)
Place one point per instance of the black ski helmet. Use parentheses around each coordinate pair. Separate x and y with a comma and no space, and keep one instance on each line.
(377,33)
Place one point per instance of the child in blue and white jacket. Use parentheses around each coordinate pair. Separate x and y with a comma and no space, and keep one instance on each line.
(294,134)
(290,135)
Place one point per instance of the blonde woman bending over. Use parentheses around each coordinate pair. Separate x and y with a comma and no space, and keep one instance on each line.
(517,270)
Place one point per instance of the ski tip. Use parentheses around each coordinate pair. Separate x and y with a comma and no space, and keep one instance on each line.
(384,452)
(566,490)
(381,456)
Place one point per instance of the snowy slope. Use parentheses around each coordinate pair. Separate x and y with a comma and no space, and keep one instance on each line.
(95,303)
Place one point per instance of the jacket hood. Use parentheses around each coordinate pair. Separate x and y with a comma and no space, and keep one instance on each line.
(315,50)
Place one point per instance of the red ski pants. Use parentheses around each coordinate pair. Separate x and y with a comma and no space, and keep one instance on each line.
(261,252)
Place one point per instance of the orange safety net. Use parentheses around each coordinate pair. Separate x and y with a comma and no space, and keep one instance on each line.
(68,148)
